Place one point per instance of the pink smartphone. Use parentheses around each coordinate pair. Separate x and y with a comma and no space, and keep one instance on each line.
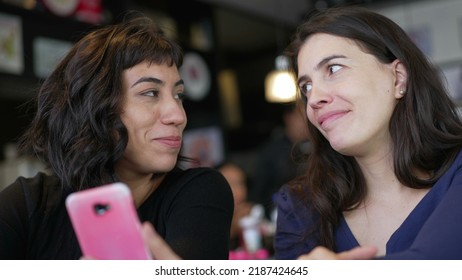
(106,223)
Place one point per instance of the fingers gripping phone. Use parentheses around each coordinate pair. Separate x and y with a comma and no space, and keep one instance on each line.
(106,223)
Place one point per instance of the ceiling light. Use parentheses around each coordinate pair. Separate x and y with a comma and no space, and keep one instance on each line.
(280,85)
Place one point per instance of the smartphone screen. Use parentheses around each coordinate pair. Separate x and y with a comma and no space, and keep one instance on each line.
(106,223)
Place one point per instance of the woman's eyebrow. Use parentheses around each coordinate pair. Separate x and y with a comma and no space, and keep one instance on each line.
(179,83)
(155,81)
(320,64)
(147,80)
(325,60)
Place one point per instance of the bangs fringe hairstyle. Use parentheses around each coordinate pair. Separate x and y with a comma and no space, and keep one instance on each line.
(425,127)
(77,130)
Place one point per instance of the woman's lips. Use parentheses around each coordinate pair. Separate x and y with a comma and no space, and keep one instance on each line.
(326,119)
(170,141)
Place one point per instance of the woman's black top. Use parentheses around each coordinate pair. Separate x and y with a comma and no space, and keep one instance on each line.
(191,209)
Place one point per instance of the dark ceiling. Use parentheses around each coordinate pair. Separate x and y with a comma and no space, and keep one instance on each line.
(248,25)
(252,25)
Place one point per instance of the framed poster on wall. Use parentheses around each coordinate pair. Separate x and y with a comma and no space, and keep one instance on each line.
(47,54)
(204,145)
(11,44)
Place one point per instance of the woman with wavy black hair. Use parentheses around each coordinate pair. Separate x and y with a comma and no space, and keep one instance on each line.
(112,111)
(385,171)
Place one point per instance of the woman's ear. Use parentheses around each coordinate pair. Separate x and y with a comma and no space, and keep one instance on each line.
(401,76)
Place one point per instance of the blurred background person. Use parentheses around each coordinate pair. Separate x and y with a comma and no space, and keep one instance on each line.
(246,214)
(237,180)
(281,158)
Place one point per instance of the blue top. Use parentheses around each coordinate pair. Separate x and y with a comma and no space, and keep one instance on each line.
(433,230)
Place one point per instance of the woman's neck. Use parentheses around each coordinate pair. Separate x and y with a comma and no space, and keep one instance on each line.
(381,180)
(142,186)
(379,172)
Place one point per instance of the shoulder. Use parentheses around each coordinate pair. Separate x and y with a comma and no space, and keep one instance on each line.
(31,185)
(202,180)
(456,164)
(32,191)
(458,160)
(453,173)
(195,172)
(295,218)
(451,179)
(197,175)
(290,200)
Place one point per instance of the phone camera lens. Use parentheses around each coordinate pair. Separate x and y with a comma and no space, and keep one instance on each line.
(101,209)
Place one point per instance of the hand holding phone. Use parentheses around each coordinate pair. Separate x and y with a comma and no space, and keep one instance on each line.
(106,223)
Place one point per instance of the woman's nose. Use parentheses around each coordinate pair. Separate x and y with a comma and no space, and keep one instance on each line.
(319,95)
(173,113)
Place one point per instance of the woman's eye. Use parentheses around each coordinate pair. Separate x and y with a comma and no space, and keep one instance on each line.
(151,93)
(305,88)
(334,68)
(180,96)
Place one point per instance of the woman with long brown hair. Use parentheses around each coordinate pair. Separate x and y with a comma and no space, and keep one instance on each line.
(384,172)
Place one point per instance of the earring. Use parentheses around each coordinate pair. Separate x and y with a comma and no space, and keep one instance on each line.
(402,92)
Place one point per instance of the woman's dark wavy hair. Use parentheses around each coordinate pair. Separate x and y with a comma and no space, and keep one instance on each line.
(425,128)
(77,130)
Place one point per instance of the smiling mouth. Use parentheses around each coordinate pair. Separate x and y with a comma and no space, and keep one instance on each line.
(326,122)
(172,142)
